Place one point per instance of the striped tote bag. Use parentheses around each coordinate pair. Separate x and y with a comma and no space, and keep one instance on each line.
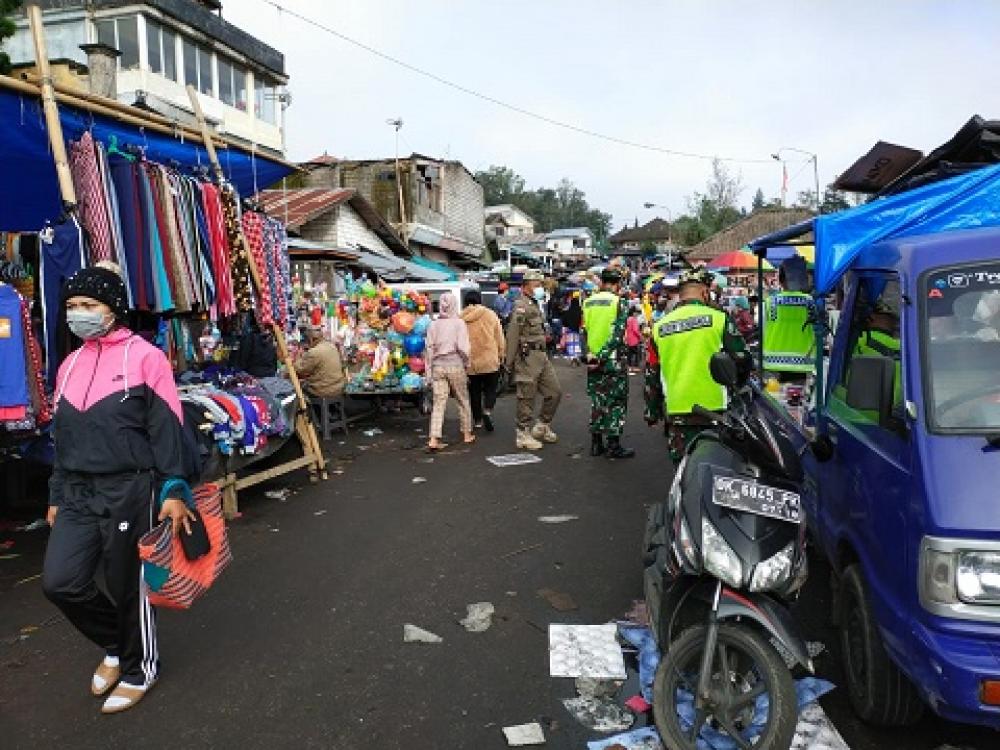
(171,579)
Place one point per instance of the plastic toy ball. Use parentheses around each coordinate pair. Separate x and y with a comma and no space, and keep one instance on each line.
(412,382)
(421,325)
(416,364)
(403,322)
(414,345)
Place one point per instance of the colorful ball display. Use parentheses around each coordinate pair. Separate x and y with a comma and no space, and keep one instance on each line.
(413,344)
(416,364)
(403,322)
(412,382)
(421,325)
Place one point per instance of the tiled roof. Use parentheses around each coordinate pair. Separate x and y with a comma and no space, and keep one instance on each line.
(302,204)
(657,229)
(571,232)
(755,225)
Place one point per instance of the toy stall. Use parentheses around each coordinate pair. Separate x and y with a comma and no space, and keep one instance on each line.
(383,334)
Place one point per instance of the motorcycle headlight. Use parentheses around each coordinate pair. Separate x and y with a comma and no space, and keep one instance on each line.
(773,571)
(977,577)
(720,560)
(674,497)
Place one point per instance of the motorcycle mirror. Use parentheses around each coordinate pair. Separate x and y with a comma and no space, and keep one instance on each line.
(724,370)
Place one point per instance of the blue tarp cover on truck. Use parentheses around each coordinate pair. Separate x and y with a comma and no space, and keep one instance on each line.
(29,191)
(965,202)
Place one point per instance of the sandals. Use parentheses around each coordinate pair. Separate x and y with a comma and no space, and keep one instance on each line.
(436,448)
(104,678)
(123,698)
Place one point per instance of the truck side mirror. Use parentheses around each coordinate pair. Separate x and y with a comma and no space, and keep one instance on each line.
(724,370)
(870,386)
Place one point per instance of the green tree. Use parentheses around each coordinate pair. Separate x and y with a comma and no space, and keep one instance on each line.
(759,201)
(7,29)
(833,200)
(552,208)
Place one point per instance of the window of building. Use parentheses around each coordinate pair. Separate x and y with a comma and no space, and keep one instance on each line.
(198,68)
(429,186)
(122,34)
(161,50)
(265,101)
(232,84)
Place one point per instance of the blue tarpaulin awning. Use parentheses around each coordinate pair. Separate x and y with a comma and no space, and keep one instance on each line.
(29,190)
(967,201)
(435,266)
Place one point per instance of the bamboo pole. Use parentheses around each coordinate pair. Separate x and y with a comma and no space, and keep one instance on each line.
(49,106)
(304,426)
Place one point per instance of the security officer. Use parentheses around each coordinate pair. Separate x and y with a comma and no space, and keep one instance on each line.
(684,341)
(789,339)
(881,339)
(604,318)
(533,373)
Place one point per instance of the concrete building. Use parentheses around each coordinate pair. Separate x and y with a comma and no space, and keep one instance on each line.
(164,45)
(575,244)
(654,236)
(443,209)
(507,220)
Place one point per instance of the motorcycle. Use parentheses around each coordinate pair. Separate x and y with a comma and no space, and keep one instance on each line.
(723,555)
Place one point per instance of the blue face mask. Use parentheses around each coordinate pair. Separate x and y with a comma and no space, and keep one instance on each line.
(539,293)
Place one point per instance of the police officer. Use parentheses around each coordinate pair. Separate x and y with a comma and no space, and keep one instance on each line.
(789,340)
(684,341)
(533,373)
(604,318)
(881,339)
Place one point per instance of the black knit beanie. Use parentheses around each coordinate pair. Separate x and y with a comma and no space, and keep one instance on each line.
(101,284)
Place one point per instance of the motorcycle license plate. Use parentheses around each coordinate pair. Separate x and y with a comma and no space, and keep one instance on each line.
(749,496)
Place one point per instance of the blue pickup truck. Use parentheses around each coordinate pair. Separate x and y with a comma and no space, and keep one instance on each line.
(903,495)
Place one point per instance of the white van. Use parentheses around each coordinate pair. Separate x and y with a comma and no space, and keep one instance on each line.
(434,290)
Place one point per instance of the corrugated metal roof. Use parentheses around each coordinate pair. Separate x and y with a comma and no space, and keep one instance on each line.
(571,232)
(302,204)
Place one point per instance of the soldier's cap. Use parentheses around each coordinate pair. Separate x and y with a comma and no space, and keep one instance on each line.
(695,276)
(611,276)
(532,274)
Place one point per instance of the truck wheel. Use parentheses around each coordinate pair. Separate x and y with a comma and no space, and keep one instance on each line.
(880,692)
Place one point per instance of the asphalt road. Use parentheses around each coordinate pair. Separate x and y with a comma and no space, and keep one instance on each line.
(300,643)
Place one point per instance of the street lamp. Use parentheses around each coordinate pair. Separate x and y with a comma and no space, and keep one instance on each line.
(397,123)
(815,162)
(670,229)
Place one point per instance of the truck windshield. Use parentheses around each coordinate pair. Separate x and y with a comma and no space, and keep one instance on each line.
(962,347)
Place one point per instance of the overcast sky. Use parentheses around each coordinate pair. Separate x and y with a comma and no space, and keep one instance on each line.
(733,79)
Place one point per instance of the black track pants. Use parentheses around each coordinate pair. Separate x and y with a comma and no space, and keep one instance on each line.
(100,522)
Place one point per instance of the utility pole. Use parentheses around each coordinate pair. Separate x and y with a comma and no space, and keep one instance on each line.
(397,124)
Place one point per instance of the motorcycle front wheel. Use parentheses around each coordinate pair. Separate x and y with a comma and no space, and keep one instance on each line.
(752,697)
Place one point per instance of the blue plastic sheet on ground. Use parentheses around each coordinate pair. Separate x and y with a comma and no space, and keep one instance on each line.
(649,655)
(808,690)
(29,191)
(637,739)
(968,201)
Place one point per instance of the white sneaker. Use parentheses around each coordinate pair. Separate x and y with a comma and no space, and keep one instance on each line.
(527,442)
(542,431)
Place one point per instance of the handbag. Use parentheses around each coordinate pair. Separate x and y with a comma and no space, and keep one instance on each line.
(172,580)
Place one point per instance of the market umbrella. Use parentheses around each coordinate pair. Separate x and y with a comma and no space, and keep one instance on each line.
(737,260)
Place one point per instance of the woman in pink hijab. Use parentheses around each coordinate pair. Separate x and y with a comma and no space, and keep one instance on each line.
(446,359)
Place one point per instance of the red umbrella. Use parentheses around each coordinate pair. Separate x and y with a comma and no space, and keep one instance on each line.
(737,260)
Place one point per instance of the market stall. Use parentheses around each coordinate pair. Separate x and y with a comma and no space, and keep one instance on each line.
(201,268)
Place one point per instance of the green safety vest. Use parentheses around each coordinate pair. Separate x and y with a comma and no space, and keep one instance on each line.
(789,339)
(599,314)
(685,340)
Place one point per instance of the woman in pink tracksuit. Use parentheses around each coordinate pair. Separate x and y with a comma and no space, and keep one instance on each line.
(119,458)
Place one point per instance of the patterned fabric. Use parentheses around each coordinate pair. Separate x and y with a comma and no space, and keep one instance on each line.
(608,391)
(90,194)
(225,302)
(172,579)
(239,254)
(253,233)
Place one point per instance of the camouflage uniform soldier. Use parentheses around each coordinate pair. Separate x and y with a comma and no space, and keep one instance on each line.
(529,363)
(604,316)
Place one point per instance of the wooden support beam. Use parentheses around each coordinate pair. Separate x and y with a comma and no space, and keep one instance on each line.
(49,106)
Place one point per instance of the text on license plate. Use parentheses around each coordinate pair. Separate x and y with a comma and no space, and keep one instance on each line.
(749,496)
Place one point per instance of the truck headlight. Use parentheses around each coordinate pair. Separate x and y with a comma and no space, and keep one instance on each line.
(773,571)
(977,577)
(720,560)
(937,576)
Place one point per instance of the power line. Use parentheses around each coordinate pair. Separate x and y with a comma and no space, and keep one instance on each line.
(507,105)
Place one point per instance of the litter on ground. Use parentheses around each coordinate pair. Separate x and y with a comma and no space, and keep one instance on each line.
(558,600)
(514,459)
(599,715)
(419,480)
(585,651)
(413,634)
(524,734)
(479,617)
(557,519)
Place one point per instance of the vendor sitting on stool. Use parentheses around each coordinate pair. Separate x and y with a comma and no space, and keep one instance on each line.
(320,367)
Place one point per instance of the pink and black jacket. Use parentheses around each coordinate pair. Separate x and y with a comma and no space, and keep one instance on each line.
(117,411)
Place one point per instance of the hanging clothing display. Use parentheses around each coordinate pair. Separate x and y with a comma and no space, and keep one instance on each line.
(62,253)
(240,257)
(90,194)
(23,402)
